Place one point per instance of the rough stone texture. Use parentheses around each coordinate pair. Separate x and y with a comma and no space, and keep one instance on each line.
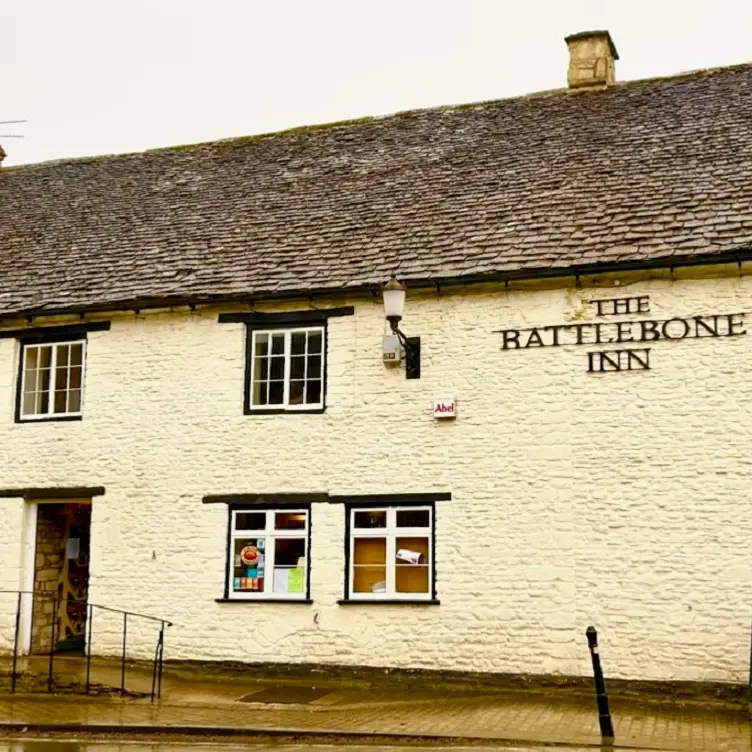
(619,500)
(591,59)
(643,171)
(50,550)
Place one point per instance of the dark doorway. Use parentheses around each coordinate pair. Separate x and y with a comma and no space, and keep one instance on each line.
(61,577)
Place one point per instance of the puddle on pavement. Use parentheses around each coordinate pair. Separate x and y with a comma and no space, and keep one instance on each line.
(287,695)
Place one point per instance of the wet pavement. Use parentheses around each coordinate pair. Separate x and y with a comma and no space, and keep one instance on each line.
(279,711)
(119,746)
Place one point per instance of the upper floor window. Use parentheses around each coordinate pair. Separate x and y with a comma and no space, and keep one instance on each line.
(51,384)
(390,553)
(287,369)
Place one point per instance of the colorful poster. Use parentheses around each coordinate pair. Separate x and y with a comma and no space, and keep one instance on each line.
(295,580)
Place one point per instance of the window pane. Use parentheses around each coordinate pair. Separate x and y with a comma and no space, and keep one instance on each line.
(32,358)
(61,377)
(250,520)
(29,403)
(278,344)
(369,579)
(369,551)
(290,521)
(43,397)
(314,367)
(289,552)
(62,355)
(297,367)
(77,355)
(413,518)
(296,392)
(277,369)
(298,344)
(260,369)
(411,561)
(368,519)
(260,393)
(74,378)
(276,392)
(74,401)
(315,340)
(262,345)
(248,565)
(290,565)
(411,579)
(411,551)
(313,392)
(60,402)
(45,357)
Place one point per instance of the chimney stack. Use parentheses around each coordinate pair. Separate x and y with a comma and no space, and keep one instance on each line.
(591,59)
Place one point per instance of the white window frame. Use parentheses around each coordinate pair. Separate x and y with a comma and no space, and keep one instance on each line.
(51,414)
(270,536)
(288,332)
(391,532)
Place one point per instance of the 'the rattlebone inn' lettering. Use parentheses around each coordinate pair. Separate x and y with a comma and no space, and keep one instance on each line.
(622,332)
(610,332)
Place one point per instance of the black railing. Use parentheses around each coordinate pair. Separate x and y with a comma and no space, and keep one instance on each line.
(157,663)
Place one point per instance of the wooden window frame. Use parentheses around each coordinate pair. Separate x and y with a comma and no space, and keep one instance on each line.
(391,532)
(269,533)
(55,343)
(288,328)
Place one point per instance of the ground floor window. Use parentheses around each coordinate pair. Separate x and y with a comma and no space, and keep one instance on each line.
(269,554)
(390,553)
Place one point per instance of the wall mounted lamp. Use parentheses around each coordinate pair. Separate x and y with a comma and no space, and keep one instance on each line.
(397,346)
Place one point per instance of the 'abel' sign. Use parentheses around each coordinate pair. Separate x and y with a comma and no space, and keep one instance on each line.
(444,408)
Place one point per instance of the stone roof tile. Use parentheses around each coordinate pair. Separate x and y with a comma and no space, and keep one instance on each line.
(638,172)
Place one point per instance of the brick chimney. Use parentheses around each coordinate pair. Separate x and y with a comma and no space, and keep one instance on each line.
(591,59)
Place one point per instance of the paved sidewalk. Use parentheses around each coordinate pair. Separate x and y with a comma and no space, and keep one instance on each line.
(271,707)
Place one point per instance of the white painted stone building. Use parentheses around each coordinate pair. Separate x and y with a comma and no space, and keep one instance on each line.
(595,470)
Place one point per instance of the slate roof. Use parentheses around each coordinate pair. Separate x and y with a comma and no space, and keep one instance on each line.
(636,174)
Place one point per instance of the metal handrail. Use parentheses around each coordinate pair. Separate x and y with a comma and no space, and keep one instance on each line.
(158,664)
(69,599)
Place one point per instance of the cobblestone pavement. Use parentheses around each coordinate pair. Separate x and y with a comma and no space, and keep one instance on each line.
(421,712)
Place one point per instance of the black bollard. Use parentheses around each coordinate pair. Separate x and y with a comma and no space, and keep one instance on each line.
(604,716)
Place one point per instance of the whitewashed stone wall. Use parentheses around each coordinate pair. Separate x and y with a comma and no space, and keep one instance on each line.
(620,500)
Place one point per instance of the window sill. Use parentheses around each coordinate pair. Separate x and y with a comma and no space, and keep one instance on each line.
(48,419)
(284,411)
(389,602)
(264,600)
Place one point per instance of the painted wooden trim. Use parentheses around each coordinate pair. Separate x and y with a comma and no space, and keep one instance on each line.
(50,333)
(58,492)
(285,317)
(388,602)
(392,500)
(267,500)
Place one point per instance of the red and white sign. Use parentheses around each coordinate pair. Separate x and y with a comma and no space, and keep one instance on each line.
(444,408)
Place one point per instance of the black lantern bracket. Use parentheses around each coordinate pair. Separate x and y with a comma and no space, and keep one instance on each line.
(411,346)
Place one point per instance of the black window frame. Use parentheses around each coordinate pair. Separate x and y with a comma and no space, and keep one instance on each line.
(248,385)
(267,321)
(50,336)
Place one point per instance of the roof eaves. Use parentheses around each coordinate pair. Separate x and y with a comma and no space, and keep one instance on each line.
(141,304)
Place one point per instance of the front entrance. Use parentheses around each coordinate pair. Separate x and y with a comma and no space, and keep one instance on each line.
(61,577)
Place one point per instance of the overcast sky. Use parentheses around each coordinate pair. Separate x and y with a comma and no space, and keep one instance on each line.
(107,76)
